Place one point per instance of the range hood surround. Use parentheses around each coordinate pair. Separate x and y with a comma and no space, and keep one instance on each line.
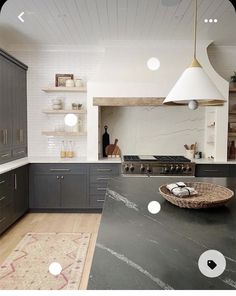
(125,81)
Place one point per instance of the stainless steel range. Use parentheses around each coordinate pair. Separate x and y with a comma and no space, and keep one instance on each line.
(157,165)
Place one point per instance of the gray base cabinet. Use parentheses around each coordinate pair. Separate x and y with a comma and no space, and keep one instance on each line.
(215,170)
(100,174)
(56,186)
(14,197)
(71,187)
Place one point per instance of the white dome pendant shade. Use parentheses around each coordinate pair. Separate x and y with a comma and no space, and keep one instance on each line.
(194,84)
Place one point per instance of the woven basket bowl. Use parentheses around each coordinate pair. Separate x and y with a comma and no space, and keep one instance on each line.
(209,195)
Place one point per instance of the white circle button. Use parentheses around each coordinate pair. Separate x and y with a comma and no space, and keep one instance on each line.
(55,268)
(154,207)
(212,263)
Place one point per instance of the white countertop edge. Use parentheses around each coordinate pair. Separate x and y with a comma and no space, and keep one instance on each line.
(6,167)
(27,160)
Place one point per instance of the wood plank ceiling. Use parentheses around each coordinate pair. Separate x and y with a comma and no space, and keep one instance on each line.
(98,22)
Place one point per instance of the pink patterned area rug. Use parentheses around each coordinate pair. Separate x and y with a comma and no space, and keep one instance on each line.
(27,267)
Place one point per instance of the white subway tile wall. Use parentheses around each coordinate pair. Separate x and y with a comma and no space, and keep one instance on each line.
(43,65)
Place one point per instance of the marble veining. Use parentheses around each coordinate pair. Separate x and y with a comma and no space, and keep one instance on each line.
(140,251)
(116,196)
(136,266)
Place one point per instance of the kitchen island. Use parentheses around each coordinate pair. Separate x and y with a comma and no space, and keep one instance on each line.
(139,250)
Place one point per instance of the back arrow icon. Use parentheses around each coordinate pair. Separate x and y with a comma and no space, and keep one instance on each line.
(20,17)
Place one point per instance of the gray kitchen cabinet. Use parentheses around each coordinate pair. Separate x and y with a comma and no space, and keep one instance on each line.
(58,187)
(74,191)
(13,196)
(100,175)
(44,191)
(21,191)
(213,170)
(5,110)
(13,108)
(19,114)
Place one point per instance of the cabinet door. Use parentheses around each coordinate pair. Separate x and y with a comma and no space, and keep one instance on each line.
(21,191)
(19,99)
(74,191)
(5,109)
(45,191)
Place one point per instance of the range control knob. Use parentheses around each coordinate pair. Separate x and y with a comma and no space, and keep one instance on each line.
(177,168)
(172,169)
(126,168)
(188,169)
(131,168)
(149,170)
(166,170)
(183,168)
(142,168)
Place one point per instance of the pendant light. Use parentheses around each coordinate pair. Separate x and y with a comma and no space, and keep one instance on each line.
(194,87)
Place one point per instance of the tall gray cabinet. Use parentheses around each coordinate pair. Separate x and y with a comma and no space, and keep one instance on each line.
(13,108)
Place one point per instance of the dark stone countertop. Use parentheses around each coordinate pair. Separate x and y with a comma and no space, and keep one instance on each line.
(138,250)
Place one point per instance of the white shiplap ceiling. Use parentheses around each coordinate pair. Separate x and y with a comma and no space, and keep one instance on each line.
(96,22)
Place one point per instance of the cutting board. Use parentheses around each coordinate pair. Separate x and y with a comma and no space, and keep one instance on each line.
(113,150)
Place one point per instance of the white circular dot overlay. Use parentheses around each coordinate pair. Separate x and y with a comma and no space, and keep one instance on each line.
(55,268)
(153,64)
(154,207)
(215,20)
(206,20)
(212,263)
(210,20)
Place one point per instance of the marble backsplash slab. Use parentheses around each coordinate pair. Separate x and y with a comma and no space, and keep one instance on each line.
(154,130)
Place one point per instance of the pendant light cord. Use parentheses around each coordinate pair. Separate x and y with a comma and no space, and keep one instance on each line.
(195,31)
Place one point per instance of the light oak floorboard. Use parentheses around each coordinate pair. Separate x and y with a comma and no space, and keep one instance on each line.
(50,222)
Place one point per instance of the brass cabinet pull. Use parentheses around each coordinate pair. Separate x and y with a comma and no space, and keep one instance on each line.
(2,198)
(21,136)
(6,136)
(4,218)
(100,200)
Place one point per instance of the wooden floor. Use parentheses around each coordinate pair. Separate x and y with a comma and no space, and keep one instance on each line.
(53,223)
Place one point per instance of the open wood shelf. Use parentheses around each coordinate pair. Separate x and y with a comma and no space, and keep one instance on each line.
(231,134)
(125,102)
(232,90)
(64,89)
(82,111)
(62,134)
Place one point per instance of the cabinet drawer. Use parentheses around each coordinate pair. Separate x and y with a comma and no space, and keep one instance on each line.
(19,152)
(6,217)
(214,170)
(5,199)
(97,201)
(5,183)
(57,168)
(97,179)
(5,156)
(99,189)
(104,169)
